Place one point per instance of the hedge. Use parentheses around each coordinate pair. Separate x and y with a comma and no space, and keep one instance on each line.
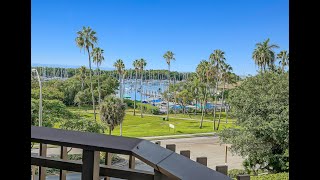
(278,176)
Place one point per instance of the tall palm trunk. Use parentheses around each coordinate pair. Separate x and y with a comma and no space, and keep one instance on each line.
(168,92)
(195,112)
(203,105)
(202,114)
(141,92)
(121,97)
(214,107)
(175,102)
(224,83)
(94,107)
(120,88)
(99,84)
(135,95)
(123,85)
(226,111)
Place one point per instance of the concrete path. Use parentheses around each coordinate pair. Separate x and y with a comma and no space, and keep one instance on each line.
(208,147)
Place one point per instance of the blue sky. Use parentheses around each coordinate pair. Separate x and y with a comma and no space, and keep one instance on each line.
(131,29)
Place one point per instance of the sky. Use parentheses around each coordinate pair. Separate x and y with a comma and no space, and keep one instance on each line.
(132,29)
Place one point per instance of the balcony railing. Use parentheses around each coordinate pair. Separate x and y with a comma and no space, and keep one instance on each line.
(166,163)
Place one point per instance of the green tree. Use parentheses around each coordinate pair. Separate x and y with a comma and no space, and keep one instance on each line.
(194,85)
(184,98)
(142,64)
(263,55)
(48,93)
(226,72)
(83,76)
(70,88)
(168,56)
(79,124)
(217,59)
(136,67)
(54,111)
(86,40)
(119,65)
(203,71)
(284,59)
(81,97)
(97,56)
(261,106)
(112,112)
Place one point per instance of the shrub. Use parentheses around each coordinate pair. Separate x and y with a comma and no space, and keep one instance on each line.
(278,176)
(233,173)
(129,102)
(148,108)
(155,111)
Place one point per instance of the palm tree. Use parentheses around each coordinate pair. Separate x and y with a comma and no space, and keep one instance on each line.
(231,79)
(168,56)
(263,55)
(136,67)
(119,65)
(284,59)
(97,56)
(226,71)
(86,40)
(112,112)
(142,63)
(125,73)
(83,71)
(195,91)
(203,70)
(217,59)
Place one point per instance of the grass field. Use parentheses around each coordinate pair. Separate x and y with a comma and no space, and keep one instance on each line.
(197,116)
(135,126)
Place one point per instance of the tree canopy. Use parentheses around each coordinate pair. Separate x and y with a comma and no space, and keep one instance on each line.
(261,106)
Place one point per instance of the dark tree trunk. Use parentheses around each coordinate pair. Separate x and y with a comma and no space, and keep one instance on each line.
(91,88)
(135,96)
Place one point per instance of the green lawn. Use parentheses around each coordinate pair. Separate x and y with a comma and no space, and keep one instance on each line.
(135,126)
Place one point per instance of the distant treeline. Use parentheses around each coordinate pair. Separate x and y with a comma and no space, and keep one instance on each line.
(129,73)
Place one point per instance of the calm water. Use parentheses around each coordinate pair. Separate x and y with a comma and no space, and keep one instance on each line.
(153,88)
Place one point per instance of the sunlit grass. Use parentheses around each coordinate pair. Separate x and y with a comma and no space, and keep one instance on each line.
(135,126)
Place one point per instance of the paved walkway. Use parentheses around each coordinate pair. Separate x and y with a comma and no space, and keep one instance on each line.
(208,147)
